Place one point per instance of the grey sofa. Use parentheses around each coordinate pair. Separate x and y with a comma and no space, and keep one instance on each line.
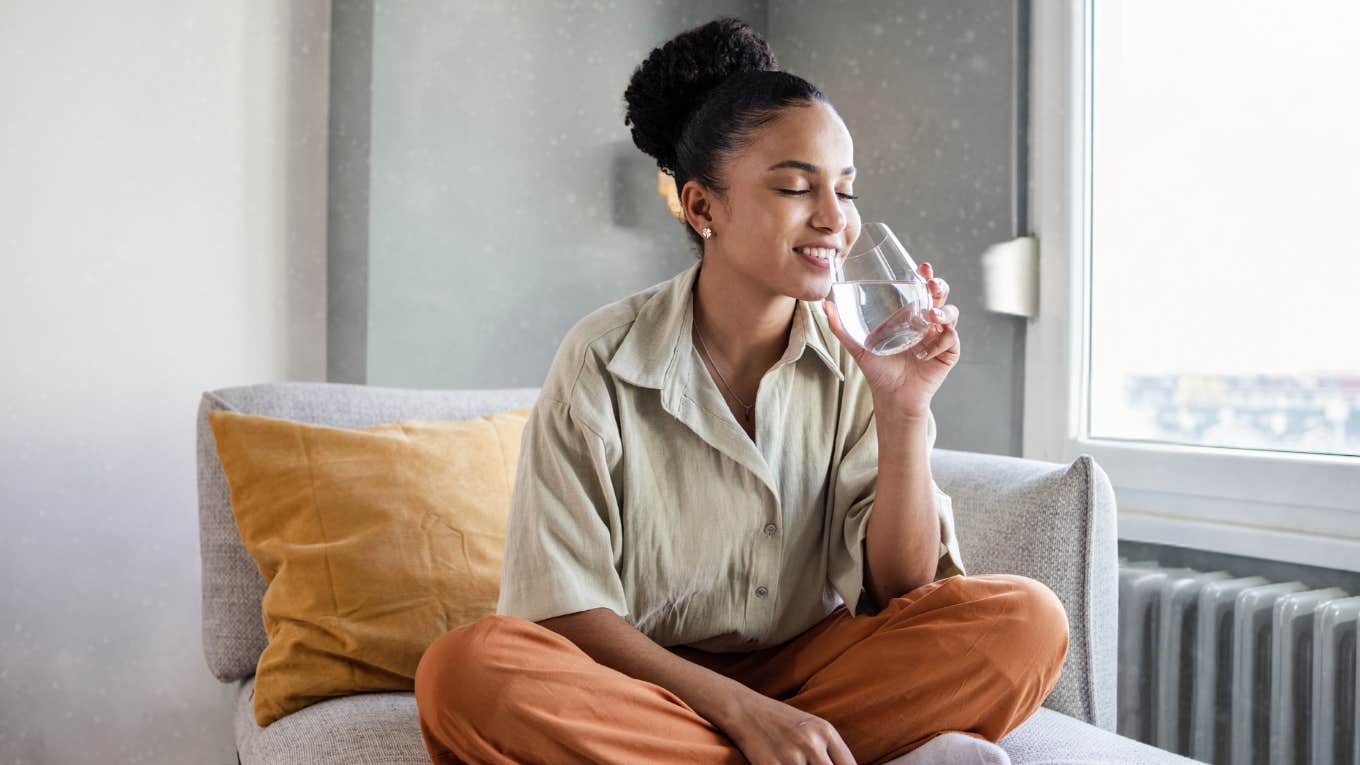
(1054,523)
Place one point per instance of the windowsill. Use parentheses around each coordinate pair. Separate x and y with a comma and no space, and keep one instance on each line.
(1239,539)
(1285,507)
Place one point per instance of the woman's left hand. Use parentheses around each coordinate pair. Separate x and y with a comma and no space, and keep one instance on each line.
(905,382)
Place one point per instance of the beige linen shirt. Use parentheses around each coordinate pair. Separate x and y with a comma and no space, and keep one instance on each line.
(637,490)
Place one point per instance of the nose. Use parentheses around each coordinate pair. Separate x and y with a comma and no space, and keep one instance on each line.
(829,216)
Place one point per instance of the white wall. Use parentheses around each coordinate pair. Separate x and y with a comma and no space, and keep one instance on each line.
(162,232)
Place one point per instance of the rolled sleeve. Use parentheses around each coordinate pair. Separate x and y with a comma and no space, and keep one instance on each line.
(563,539)
(853,501)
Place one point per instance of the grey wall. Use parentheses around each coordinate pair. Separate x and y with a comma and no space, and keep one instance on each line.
(926,89)
(351,76)
(505,199)
(161,233)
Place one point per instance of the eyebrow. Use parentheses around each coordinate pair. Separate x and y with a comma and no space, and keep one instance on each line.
(805,166)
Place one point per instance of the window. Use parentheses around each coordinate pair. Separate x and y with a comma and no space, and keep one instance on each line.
(1225,271)
(1192,172)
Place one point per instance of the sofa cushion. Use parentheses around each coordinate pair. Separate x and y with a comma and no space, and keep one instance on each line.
(233,633)
(368,728)
(1053,738)
(384,729)
(373,542)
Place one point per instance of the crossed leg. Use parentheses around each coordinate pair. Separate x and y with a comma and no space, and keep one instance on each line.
(975,654)
(510,691)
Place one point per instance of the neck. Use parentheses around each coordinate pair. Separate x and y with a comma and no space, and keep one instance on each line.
(744,326)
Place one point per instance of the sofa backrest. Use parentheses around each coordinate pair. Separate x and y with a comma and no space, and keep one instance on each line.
(233,628)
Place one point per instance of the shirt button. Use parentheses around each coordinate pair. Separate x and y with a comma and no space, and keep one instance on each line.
(769,529)
(762,591)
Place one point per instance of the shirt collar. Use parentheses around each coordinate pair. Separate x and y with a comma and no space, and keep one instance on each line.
(659,341)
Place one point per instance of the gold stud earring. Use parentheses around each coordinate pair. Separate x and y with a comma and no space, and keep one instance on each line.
(707,232)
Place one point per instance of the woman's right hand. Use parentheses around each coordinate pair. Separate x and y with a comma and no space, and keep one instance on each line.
(770,732)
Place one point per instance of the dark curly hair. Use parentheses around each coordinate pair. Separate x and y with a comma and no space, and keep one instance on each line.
(700,98)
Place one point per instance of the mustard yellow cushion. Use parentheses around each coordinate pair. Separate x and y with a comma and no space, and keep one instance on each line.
(373,542)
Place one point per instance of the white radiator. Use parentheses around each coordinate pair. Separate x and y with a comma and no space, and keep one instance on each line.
(1237,670)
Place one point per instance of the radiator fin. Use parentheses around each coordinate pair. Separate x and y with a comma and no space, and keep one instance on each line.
(1240,670)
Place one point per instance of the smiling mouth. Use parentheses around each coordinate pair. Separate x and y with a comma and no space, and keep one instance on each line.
(824,254)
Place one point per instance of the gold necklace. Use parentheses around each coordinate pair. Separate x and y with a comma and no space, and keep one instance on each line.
(745,405)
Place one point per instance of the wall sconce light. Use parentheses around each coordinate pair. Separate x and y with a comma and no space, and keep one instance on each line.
(665,186)
(1010,277)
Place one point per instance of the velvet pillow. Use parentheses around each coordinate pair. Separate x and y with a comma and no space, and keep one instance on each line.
(373,542)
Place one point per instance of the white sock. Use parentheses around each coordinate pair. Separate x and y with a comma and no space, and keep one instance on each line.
(954,748)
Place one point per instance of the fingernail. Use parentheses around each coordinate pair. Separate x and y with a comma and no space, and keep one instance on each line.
(920,354)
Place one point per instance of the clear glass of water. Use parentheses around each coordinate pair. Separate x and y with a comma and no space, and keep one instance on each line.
(880,296)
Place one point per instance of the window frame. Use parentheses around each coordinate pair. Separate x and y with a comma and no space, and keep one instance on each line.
(1299,508)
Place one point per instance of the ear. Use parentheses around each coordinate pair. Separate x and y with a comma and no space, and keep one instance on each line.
(697,205)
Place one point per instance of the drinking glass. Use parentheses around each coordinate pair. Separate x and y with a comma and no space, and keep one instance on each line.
(880,297)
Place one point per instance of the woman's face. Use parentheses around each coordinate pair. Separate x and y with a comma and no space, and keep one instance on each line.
(787,191)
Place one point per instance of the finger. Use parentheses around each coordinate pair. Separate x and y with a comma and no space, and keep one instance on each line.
(939,290)
(934,335)
(939,344)
(942,316)
(840,753)
(816,753)
(833,319)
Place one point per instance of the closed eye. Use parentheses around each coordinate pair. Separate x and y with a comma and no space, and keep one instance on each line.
(800,192)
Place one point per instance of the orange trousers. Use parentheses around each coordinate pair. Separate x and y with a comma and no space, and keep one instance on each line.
(975,654)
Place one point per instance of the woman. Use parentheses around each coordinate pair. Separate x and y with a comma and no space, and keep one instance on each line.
(725,543)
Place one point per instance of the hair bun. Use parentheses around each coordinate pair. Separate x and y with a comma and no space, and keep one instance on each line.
(671,84)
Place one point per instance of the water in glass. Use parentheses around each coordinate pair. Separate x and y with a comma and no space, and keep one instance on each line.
(880,296)
(881,314)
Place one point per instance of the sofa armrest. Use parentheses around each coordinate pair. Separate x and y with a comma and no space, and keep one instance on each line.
(1056,524)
